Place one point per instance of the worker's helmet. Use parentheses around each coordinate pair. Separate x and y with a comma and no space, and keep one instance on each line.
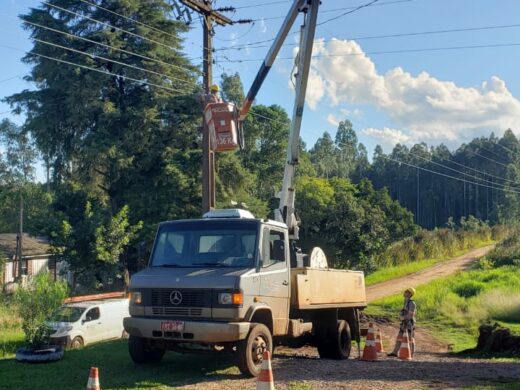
(411,290)
(214,88)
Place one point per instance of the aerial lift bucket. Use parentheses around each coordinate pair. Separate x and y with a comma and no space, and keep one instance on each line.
(224,128)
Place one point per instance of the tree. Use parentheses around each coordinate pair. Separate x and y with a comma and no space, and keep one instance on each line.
(323,156)
(232,88)
(17,164)
(347,143)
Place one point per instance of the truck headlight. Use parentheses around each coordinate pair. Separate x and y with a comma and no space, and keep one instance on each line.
(228,298)
(135,298)
(64,329)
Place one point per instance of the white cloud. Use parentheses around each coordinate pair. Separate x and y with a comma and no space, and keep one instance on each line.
(424,107)
(386,136)
(332,120)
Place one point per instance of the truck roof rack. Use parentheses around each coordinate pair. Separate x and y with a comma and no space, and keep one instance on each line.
(229,213)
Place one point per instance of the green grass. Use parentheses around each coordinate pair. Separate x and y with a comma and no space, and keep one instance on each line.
(117,371)
(397,271)
(11,335)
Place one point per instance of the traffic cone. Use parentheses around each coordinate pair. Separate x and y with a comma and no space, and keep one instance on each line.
(265,379)
(404,351)
(379,341)
(93,379)
(370,353)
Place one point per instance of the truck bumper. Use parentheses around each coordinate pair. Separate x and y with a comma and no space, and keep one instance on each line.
(194,331)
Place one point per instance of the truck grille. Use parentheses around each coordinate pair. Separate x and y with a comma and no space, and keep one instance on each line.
(177,311)
(190,298)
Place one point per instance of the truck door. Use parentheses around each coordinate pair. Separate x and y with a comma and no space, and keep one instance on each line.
(274,276)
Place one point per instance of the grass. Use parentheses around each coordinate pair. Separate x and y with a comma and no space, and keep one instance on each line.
(117,371)
(397,271)
(11,335)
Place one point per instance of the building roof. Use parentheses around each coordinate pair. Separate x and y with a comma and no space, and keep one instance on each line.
(31,246)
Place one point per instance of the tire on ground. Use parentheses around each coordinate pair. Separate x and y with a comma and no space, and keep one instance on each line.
(76,343)
(334,340)
(141,352)
(250,350)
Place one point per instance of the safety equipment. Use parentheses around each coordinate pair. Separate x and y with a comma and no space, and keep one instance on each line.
(370,353)
(379,341)
(411,290)
(214,88)
(224,134)
(404,351)
(93,379)
(265,379)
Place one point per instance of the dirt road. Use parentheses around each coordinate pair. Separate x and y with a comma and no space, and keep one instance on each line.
(395,286)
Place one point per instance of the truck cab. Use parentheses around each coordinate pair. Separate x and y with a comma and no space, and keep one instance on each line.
(221,283)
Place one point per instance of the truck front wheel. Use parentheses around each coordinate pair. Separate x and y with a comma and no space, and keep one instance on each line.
(141,352)
(335,341)
(250,351)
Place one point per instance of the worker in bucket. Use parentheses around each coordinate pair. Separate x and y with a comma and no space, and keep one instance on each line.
(207,98)
(407,317)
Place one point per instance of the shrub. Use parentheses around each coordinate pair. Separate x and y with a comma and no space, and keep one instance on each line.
(468,289)
(36,303)
(502,305)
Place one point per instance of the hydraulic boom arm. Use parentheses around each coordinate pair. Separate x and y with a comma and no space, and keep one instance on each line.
(285,212)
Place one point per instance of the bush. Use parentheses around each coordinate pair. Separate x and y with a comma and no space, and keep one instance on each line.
(468,289)
(502,305)
(36,303)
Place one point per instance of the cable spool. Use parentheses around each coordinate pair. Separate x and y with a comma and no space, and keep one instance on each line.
(317,259)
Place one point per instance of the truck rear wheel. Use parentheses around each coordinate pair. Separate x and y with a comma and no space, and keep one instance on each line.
(334,340)
(250,351)
(141,352)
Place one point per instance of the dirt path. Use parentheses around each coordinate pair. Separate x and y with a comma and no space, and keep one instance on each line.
(395,286)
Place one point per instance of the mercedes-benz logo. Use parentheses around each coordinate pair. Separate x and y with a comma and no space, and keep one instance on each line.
(176,297)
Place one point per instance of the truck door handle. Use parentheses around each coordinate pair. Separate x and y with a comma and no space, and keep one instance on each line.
(285,283)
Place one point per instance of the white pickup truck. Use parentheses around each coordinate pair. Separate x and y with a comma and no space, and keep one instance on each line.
(230,283)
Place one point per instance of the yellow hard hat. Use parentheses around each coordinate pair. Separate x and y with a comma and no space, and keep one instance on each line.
(411,290)
(214,88)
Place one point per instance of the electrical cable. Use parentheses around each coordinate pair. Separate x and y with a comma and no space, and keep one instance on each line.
(96,70)
(95,56)
(457,171)
(13,77)
(109,46)
(391,51)
(107,25)
(449,176)
(487,158)
(130,19)
(360,38)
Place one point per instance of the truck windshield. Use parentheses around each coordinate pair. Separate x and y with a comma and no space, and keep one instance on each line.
(68,314)
(206,244)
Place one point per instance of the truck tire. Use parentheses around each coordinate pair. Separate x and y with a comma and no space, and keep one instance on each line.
(76,343)
(142,353)
(334,341)
(250,350)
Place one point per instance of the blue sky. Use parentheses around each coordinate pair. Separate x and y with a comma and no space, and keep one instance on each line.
(433,96)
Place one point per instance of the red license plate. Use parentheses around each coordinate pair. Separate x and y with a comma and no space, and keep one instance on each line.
(172,326)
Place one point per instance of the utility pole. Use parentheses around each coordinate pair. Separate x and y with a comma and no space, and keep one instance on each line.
(19,251)
(204,8)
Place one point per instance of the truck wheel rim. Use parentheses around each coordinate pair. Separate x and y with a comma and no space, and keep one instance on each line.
(259,346)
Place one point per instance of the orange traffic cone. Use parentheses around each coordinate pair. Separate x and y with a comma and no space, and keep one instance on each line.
(370,353)
(93,379)
(265,379)
(379,341)
(404,351)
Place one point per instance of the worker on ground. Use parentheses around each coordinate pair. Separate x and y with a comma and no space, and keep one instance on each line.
(407,317)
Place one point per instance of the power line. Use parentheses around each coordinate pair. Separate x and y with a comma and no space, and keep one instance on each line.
(390,52)
(130,19)
(487,158)
(355,10)
(399,35)
(108,25)
(451,177)
(95,56)
(263,4)
(96,70)
(108,46)
(13,77)
(454,170)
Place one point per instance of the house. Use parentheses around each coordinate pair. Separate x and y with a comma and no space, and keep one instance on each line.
(36,258)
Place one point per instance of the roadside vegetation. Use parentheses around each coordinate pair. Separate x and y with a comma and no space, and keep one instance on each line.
(427,248)
(457,305)
(11,334)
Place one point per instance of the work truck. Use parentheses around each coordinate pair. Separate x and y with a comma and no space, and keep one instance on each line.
(232,283)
